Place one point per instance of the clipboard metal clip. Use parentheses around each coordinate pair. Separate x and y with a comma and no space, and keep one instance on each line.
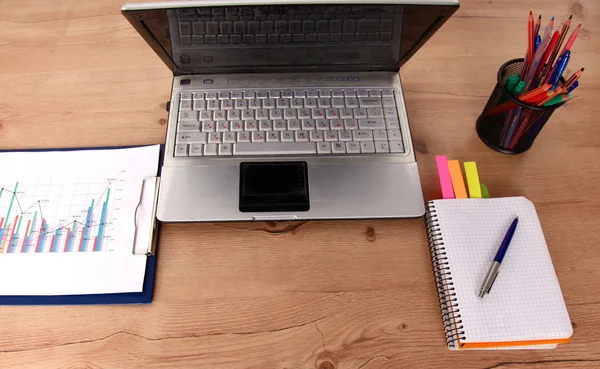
(153,226)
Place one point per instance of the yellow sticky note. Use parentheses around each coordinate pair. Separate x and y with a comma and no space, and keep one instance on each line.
(460,192)
(472,179)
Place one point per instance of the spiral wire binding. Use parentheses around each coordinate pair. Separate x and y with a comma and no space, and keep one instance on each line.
(451,316)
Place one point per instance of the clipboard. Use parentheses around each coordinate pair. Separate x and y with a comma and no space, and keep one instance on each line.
(143,297)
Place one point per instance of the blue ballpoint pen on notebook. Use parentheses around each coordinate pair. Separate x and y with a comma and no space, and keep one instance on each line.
(495,267)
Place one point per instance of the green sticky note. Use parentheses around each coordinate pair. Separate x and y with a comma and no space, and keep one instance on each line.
(484,192)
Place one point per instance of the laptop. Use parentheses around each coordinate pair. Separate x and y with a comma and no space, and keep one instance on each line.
(287,110)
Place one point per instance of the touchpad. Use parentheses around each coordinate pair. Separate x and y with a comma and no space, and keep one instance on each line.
(272,187)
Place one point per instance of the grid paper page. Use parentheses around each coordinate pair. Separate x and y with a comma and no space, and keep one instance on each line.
(525,302)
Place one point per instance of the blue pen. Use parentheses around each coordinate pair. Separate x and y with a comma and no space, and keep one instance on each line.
(538,40)
(559,68)
(573,86)
(495,267)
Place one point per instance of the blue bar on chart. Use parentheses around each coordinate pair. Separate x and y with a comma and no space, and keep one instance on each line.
(39,247)
(71,237)
(88,222)
(99,237)
(14,236)
(55,239)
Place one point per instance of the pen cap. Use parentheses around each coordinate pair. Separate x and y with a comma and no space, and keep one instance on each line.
(506,124)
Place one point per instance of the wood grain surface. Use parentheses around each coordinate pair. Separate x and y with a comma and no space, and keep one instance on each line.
(345,294)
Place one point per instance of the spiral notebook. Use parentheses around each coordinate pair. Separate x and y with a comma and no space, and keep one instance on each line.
(525,307)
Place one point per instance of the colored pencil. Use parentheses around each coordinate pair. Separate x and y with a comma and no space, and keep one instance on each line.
(550,64)
(557,91)
(538,23)
(573,78)
(530,38)
(544,64)
(571,39)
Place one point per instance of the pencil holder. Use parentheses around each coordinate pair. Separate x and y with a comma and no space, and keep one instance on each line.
(507,124)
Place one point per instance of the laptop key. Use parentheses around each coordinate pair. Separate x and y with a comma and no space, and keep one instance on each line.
(188,126)
(375,123)
(229,137)
(390,112)
(392,123)
(366,102)
(375,112)
(394,135)
(196,150)
(345,135)
(275,148)
(362,135)
(188,115)
(367,147)
(225,149)
(382,147)
(380,135)
(287,136)
(185,105)
(181,150)
(243,137)
(214,137)
(338,148)
(208,126)
(316,136)
(273,136)
(396,146)
(388,102)
(352,147)
(324,148)
(301,136)
(237,126)
(210,150)
(387,92)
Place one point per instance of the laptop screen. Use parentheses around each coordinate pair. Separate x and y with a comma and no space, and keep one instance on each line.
(263,38)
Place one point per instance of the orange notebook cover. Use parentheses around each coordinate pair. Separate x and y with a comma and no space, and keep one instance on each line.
(525,308)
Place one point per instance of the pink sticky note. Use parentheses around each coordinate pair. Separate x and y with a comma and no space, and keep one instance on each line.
(445,179)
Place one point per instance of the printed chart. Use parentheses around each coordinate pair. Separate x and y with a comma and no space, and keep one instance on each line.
(58,214)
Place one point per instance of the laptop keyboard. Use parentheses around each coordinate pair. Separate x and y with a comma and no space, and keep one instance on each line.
(285,24)
(287,122)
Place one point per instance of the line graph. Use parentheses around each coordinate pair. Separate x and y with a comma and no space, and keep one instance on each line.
(51,214)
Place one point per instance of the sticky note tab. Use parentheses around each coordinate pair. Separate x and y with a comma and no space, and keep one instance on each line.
(484,192)
(444,173)
(472,179)
(460,191)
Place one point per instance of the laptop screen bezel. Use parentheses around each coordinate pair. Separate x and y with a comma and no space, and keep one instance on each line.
(136,13)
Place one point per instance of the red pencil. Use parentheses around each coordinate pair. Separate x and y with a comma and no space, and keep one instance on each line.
(571,39)
(530,38)
(546,55)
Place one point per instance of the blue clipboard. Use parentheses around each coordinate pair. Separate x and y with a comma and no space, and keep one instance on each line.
(144,297)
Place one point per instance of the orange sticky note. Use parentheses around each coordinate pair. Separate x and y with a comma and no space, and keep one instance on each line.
(458,183)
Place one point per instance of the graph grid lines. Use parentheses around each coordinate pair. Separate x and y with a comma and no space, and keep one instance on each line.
(46,224)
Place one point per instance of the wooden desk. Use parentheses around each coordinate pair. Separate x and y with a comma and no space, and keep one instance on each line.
(348,294)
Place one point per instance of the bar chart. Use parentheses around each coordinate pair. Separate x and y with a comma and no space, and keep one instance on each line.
(50,215)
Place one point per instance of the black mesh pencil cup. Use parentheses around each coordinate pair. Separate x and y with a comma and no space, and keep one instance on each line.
(507,124)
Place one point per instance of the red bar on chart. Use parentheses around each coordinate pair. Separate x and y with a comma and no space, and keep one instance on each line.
(10,240)
(25,238)
(40,235)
